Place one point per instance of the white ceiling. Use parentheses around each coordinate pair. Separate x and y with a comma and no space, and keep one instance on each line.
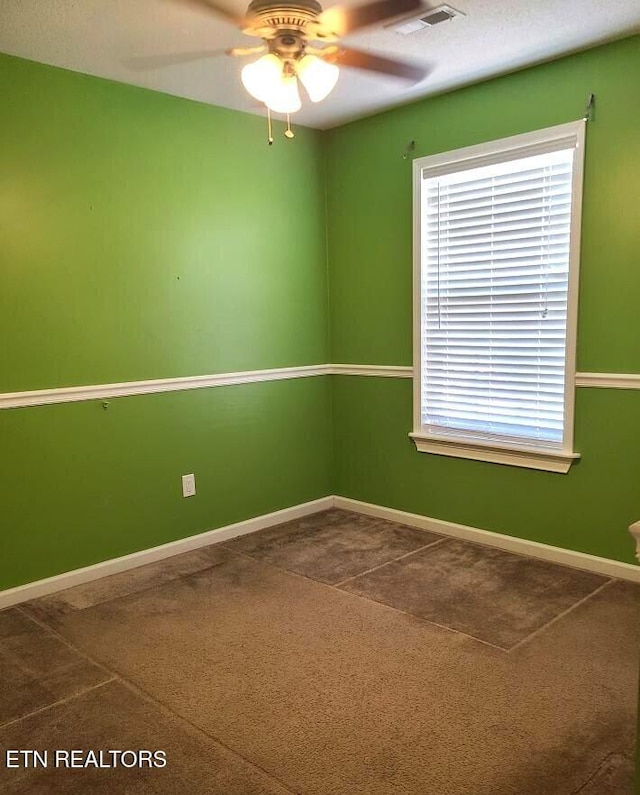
(496,36)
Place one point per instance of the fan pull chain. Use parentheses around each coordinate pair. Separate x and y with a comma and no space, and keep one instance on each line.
(289,132)
(269,130)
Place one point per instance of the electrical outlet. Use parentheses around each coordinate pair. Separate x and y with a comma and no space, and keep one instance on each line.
(188,485)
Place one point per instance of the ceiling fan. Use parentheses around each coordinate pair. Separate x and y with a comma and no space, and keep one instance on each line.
(301,46)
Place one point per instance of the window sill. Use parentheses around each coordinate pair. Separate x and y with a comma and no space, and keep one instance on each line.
(495,453)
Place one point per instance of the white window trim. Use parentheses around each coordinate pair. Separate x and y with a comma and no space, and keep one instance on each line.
(544,457)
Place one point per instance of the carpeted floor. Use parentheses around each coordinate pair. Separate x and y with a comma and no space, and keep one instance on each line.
(334,655)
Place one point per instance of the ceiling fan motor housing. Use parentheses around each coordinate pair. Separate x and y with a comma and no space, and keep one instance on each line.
(268,19)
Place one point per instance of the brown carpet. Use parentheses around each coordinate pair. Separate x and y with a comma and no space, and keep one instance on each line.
(295,685)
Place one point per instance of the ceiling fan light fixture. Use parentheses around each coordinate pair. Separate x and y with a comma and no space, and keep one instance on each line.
(261,77)
(317,76)
(290,29)
(265,79)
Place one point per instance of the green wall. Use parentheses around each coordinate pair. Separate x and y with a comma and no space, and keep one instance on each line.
(81,484)
(144,236)
(370,240)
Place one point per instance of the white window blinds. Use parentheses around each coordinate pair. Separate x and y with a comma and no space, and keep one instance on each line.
(495,243)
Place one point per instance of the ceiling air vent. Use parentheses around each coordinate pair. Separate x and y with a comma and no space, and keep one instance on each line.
(432,17)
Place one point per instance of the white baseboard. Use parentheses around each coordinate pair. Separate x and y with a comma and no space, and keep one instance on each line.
(520,546)
(33,590)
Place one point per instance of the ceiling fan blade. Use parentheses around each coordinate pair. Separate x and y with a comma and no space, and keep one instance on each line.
(343,20)
(215,8)
(386,66)
(145,62)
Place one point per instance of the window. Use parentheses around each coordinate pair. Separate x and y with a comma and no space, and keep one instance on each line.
(497,239)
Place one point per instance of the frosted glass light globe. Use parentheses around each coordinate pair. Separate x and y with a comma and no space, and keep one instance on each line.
(284,97)
(317,76)
(260,77)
